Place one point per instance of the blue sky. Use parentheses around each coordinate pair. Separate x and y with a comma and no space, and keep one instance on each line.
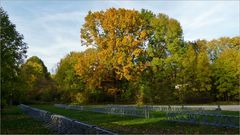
(51,28)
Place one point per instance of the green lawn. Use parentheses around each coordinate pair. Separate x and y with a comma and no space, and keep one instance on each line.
(14,121)
(235,113)
(124,124)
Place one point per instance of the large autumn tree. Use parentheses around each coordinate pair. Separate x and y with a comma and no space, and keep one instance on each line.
(119,36)
(129,41)
(13,51)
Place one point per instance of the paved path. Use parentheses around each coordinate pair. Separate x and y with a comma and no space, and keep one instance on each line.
(223,107)
(211,107)
(206,107)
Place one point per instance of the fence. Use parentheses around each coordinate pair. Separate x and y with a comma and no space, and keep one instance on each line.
(112,109)
(144,111)
(62,124)
(185,109)
(177,114)
(204,119)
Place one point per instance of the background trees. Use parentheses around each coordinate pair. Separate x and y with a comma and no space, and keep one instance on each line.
(132,57)
(13,51)
(143,57)
(36,81)
(164,47)
(194,76)
(201,71)
(226,67)
(226,71)
(68,82)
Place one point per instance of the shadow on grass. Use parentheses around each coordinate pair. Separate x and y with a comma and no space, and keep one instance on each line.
(13,121)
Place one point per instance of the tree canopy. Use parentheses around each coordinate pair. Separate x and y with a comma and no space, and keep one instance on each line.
(37,83)
(13,52)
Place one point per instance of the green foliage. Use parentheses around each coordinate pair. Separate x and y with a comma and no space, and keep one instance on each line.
(37,83)
(13,51)
(194,79)
(164,47)
(227,74)
(68,82)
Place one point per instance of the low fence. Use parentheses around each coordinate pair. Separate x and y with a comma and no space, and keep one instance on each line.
(204,119)
(62,124)
(109,109)
(181,109)
(177,114)
(121,110)
(132,110)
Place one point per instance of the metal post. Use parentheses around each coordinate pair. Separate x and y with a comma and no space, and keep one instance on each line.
(218,108)
(148,111)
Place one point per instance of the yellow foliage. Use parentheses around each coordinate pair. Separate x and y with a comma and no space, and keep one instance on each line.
(80,98)
(118,36)
(112,91)
(143,34)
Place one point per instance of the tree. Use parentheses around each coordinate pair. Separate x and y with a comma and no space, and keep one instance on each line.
(194,78)
(227,75)
(69,83)
(217,46)
(132,45)
(167,42)
(119,36)
(226,67)
(164,48)
(97,77)
(13,51)
(38,84)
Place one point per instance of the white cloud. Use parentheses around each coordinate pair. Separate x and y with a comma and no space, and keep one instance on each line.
(64,16)
(210,20)
(203,20)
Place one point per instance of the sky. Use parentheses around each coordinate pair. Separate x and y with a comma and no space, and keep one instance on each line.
(51,28)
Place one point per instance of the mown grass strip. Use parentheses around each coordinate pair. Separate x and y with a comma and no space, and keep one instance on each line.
(14,121)
(127,124)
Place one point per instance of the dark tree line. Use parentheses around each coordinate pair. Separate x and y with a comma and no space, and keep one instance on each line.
(13,52)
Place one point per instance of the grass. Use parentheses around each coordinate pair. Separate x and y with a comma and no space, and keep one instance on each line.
(235,113)
(127,124)
(14,121)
